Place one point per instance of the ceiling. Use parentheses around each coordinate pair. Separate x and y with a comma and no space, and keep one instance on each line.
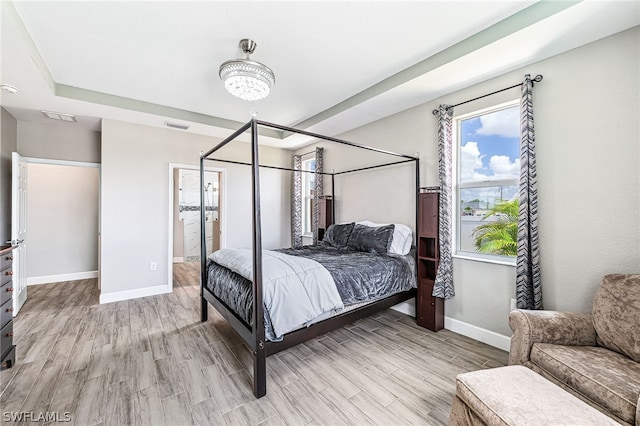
(338,65)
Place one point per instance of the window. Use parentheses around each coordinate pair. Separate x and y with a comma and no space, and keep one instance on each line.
(486,193)
(308,192)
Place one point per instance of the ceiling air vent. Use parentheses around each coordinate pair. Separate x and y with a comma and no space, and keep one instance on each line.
(59,116)
(176,125)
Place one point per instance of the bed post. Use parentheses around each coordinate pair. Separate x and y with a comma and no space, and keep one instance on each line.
(333,197)
(417,211)
(204,313)
(259,354)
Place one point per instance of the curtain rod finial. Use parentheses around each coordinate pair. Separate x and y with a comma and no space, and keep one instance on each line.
(434,112)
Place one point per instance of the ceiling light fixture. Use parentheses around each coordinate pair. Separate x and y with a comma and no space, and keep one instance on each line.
(247,79)
(59,116)
(9,88)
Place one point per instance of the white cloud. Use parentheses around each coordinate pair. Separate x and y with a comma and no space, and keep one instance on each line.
(470,161)
(503,167)
(505,123)
(471,165)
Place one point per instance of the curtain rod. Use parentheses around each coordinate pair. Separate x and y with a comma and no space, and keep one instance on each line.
(537,79)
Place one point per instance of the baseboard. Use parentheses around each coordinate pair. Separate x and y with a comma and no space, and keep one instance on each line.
(117,296)
(178,260)
(491,338)
(408,308)
(47,279)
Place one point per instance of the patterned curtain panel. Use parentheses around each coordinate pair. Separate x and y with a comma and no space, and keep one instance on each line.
(296,203)
(528,285)
(443,286)
(318,190)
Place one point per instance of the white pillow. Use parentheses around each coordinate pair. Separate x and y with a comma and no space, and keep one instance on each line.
(402,236)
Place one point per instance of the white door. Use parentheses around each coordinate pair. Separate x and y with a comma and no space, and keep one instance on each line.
(19,230)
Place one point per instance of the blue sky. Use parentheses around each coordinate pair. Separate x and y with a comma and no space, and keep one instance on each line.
(489,146)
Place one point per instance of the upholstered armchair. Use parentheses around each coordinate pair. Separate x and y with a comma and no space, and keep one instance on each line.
(596,355)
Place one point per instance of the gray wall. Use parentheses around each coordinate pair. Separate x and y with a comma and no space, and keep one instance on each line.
(62,216)
(587,136)
(64,141)
(8,144)
(381,195)
(135,199)
(49,218)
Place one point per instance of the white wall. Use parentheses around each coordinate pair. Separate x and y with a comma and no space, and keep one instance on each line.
(135,201)
(62,218)
(587,137)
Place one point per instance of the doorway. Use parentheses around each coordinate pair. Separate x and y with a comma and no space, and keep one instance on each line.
(187,226)
(58,201)
(185,213)
(63,219)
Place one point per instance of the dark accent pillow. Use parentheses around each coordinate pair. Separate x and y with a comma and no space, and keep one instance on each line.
(371,240)
(337,235)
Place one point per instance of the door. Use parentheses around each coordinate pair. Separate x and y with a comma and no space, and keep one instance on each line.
(19,230)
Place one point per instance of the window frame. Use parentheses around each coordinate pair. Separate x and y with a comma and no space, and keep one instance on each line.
(307,196)
(458,186)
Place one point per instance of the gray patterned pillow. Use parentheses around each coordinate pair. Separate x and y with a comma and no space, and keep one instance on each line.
(371,240)
(337,235)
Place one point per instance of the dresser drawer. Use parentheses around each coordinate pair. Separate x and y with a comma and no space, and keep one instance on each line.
(6,276)
(6,337)
(6,313)
(6,260)
(6,292)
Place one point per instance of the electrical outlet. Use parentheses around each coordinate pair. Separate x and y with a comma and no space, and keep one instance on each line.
(513,303)
(153,266)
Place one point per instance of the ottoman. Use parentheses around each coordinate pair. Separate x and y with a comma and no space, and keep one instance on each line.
(515,395)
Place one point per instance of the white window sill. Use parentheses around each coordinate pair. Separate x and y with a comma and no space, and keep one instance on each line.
(505,262)
(307,235)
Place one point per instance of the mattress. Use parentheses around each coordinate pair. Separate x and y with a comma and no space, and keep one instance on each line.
(360,278)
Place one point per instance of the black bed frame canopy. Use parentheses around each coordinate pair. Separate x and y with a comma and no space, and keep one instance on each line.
(254,337)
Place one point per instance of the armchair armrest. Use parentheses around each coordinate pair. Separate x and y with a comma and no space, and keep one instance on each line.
(561,328)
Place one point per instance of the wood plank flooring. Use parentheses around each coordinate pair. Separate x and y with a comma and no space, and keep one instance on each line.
(151,361)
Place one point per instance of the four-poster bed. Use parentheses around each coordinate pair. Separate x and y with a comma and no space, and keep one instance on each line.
(253,332)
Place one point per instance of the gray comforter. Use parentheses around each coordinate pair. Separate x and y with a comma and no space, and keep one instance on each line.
(359,277)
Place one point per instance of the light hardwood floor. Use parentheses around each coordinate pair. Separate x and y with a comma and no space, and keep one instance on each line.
(151,361)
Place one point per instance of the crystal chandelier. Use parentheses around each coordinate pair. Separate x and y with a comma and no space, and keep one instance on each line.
(247,79)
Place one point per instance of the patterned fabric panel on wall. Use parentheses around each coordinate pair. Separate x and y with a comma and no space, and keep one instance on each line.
(528,283)
(443,286)
(296,203)
(318,192)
